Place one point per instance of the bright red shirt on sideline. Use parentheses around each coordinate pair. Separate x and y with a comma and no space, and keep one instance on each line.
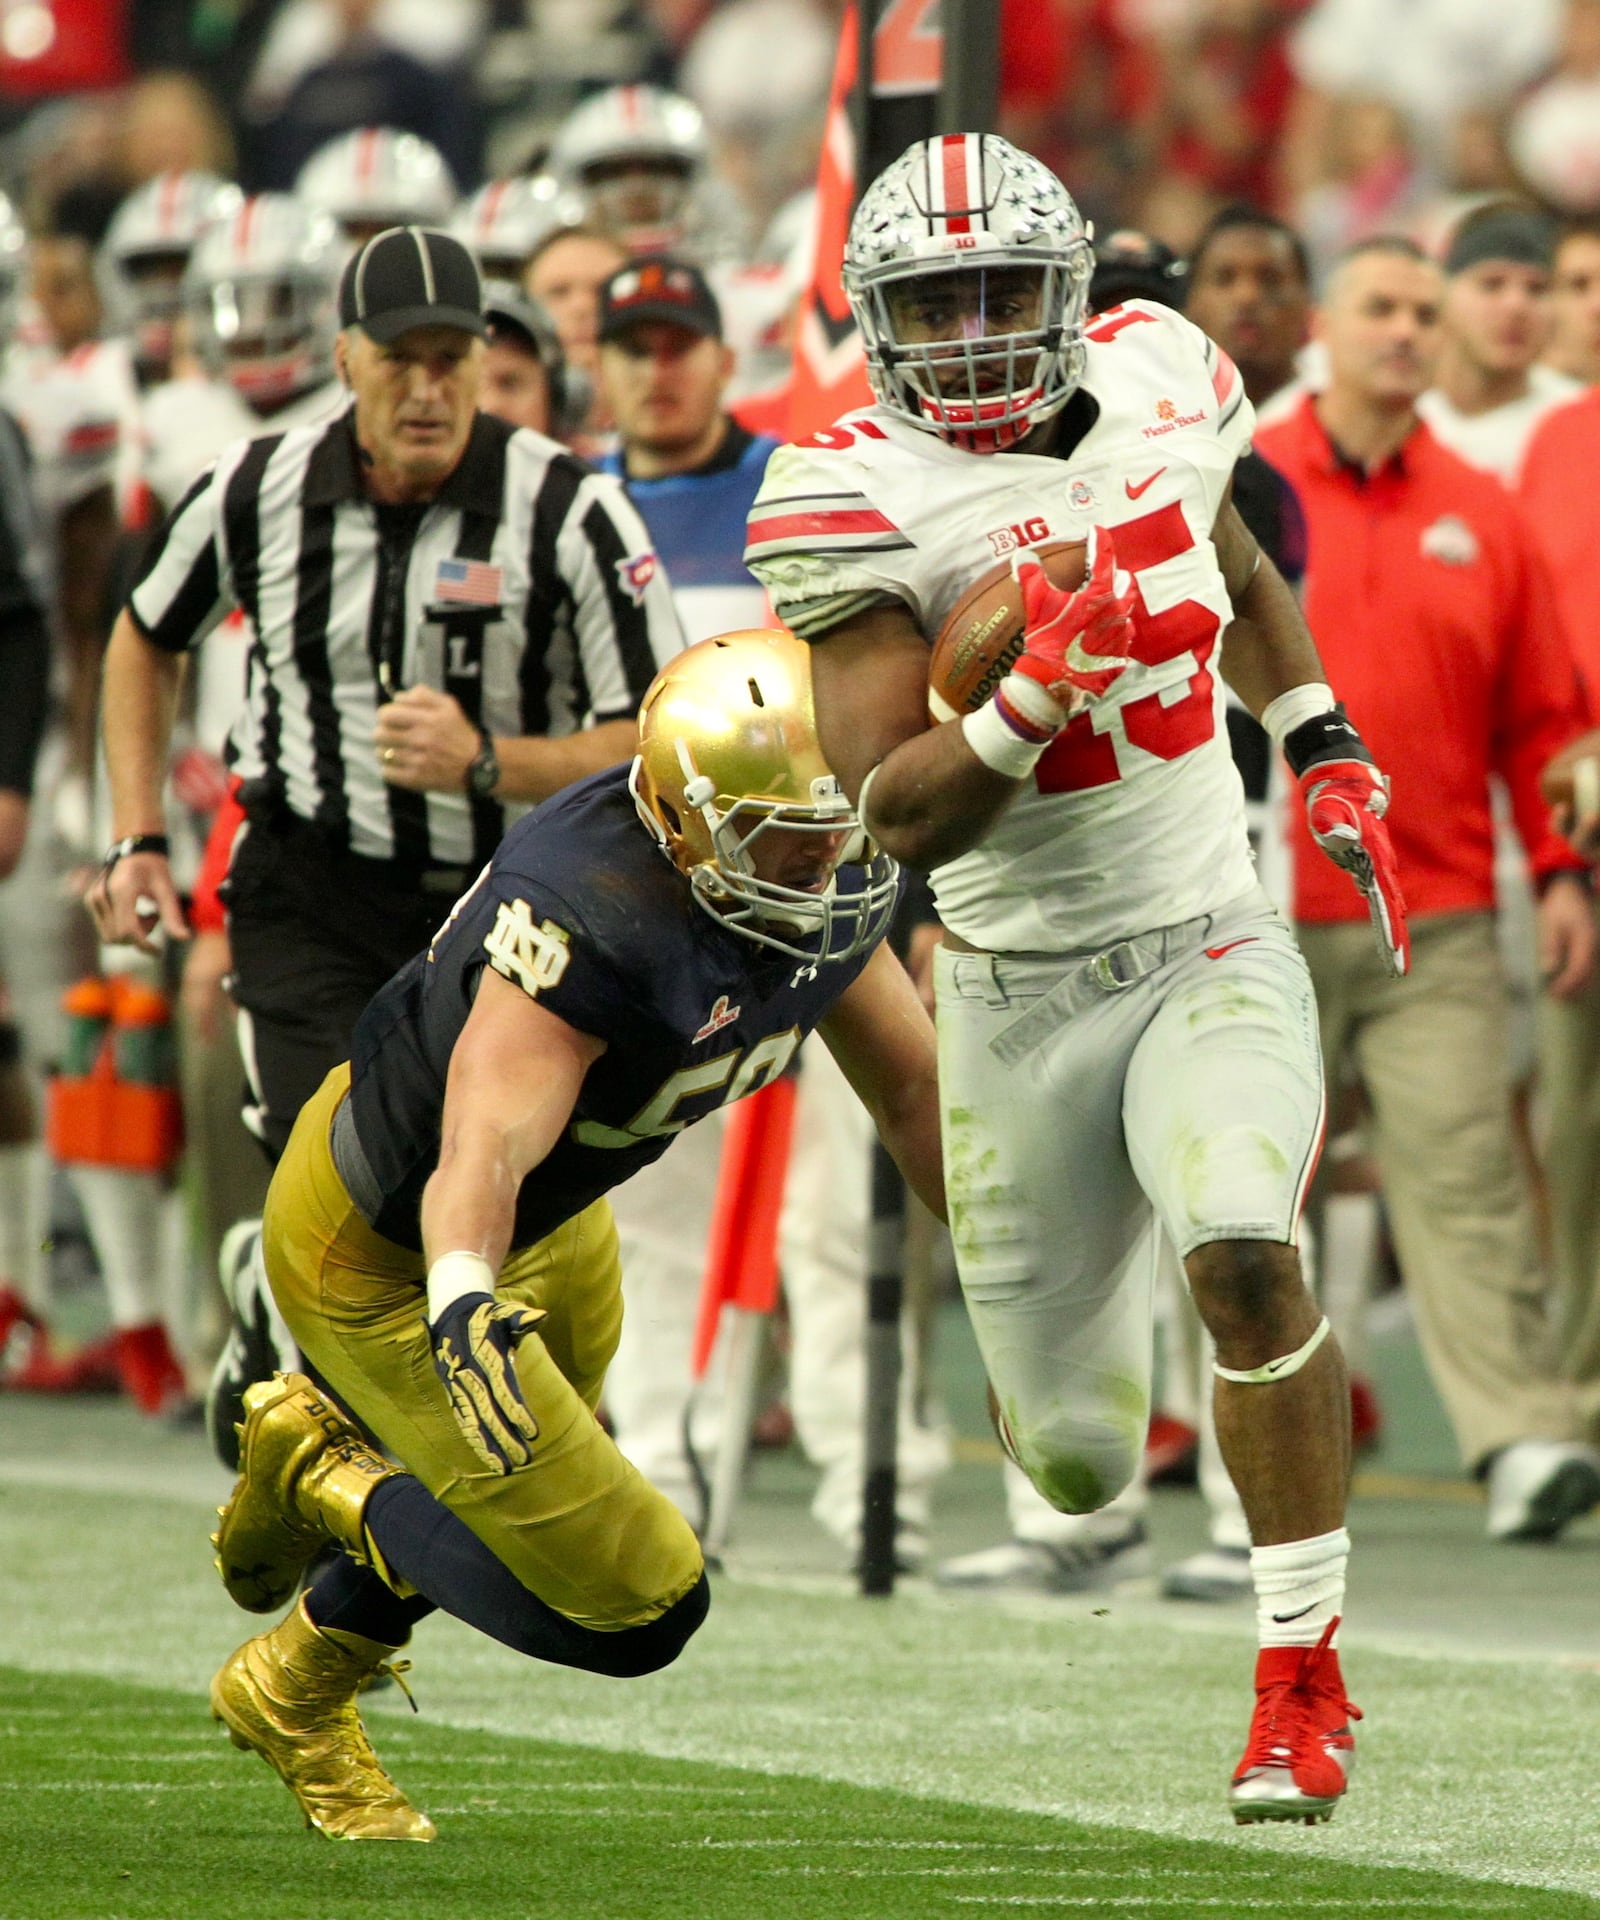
(1436,620)
(1560,494)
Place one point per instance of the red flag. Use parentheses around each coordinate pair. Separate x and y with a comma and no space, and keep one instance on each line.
(742,1247)
(830,375)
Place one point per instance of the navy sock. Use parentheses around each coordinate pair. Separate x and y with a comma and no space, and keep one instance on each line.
(440,1555)
(351,1598)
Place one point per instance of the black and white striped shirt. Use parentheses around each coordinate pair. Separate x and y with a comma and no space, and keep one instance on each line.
(527,589)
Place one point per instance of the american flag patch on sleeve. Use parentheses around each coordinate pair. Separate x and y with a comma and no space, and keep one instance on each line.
(472,583)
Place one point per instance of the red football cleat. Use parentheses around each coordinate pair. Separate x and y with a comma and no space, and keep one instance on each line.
(150,1373)
(1301,1750)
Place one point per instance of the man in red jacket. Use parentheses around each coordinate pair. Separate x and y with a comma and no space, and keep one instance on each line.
(1435,617)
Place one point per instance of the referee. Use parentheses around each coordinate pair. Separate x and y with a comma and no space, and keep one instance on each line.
(452,620)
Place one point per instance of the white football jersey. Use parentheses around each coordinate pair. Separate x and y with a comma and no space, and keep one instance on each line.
(1134,818)
(79,412)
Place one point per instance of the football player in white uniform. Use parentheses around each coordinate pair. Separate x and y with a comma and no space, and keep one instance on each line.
(1127,1032)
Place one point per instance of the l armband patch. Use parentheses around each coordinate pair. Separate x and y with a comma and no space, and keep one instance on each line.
(535,957)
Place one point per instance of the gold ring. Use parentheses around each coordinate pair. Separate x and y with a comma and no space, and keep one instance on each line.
(387,755)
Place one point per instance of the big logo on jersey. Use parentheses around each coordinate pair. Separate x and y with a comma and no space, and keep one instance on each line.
(534,957)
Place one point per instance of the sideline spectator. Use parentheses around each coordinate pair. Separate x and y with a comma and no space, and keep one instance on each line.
(1427,598)
(365,79)
(1561,492)
(1575,303)
(1489,390)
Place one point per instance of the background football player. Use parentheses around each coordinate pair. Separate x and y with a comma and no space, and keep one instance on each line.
(1127,1032)
(654,942)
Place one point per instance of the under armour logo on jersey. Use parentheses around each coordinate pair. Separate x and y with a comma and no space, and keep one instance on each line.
(720,1016)
(635,574)
(535,957)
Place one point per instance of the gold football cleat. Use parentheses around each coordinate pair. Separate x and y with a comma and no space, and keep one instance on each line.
(305,1478)
(289,1694)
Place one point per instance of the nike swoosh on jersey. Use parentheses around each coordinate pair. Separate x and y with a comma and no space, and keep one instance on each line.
(1216,953)
(1135,491)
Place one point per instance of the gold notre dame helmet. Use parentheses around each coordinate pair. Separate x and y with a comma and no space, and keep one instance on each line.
(728,753)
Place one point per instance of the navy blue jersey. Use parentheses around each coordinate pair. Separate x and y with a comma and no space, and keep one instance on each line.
(582,909)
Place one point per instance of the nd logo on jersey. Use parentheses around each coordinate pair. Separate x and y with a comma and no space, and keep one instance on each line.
(533,956)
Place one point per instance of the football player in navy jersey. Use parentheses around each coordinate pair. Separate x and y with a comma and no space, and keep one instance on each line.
(644,947)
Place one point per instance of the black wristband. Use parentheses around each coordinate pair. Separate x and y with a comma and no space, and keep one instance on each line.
(1325,736)
(133,843)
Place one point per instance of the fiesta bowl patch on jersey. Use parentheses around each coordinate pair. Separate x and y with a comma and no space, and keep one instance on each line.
(980,641)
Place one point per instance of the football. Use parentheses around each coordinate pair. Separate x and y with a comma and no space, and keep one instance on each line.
(983,634)
(1571,786)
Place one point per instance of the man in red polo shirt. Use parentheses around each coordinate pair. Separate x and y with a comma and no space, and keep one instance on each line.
(1435,618)
(1560,493)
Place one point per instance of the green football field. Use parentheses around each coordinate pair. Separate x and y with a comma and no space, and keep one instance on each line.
(812,1754)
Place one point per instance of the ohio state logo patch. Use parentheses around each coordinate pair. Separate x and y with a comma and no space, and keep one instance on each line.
(635,574)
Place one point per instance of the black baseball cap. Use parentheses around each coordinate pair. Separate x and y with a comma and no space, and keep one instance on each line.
(1129,265)
(409,277)
(1503,230)
(655,288)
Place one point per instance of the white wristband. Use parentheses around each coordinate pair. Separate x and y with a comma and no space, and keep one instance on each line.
(1294,708)
(452,1276)
(998,746)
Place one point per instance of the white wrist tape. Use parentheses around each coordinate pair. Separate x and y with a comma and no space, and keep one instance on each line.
(1294,708)
(453,1275)
(999,746)
(1276,1369)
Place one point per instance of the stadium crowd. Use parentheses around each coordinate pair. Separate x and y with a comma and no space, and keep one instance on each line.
(1388,216)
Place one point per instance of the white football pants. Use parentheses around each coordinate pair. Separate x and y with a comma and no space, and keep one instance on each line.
(1173,1080)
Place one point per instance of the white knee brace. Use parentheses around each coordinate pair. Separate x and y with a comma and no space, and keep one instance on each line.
(1276,1369)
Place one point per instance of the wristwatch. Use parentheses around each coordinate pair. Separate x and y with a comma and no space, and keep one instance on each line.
(483,769)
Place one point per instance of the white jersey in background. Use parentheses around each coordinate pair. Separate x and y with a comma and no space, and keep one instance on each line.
(1136,814)
(1496,439)
(79,411)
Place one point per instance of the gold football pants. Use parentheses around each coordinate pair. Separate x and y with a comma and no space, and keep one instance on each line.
(579,1526)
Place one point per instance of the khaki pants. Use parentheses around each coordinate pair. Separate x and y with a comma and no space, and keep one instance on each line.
(1569,1098)
(1433,1051)
(579,1526)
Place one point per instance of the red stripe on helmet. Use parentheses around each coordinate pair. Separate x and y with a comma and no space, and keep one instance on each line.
(367,155)
(168,200)
(956,190)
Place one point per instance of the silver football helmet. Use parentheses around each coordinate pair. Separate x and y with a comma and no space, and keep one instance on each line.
(967,268)
(144,254)
(637,155)
(506,221)
(373,178)
(259,294)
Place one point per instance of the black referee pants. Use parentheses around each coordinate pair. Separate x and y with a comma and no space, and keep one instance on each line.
(315,932)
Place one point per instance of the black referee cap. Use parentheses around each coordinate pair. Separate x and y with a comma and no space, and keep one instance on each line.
(411,277)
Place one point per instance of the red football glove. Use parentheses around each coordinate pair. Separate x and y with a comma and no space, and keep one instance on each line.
(1346,799)
(1077,643)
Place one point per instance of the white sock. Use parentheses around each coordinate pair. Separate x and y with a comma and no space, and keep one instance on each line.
(124,1213)
(1299,1588)
(24,1221)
